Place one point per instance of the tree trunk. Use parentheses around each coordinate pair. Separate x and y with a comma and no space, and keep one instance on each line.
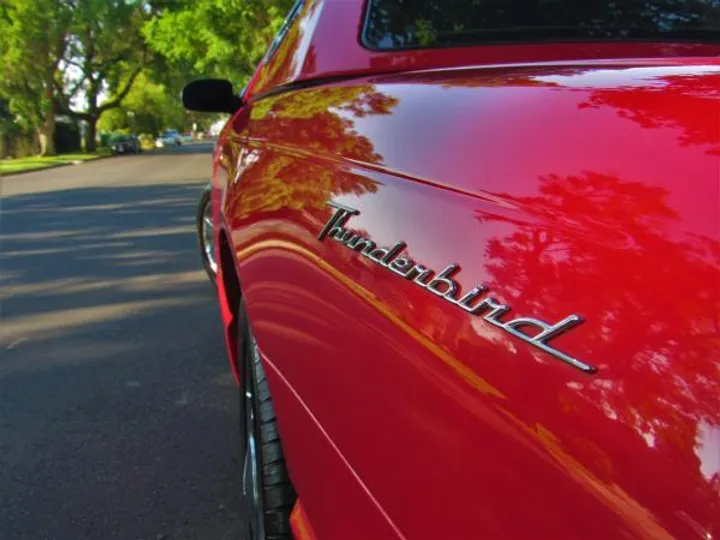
(46,132)
(92,117)
(91,134)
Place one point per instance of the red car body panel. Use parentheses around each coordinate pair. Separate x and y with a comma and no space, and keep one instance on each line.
(588,186)
(325,42)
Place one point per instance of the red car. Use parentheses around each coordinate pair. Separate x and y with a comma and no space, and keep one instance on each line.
(469,269)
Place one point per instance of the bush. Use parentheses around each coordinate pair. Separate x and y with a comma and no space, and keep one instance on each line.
(18,145)
(105,138)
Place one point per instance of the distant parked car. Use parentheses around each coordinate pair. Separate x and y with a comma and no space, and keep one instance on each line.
(125,144)
(169,137)
(186,138)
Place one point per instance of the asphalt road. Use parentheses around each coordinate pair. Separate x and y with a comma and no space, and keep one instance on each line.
(117,408)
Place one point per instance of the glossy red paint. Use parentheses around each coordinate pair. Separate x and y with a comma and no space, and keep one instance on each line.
(588,186)
(325,42)
(302,530)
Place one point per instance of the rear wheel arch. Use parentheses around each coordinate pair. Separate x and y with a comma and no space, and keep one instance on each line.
(230,296)
(231,282)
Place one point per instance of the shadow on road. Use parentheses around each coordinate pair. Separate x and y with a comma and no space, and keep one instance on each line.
(79,257)
(88,231)
(118,409)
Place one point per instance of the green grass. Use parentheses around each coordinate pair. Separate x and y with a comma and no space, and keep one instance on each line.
(9,166)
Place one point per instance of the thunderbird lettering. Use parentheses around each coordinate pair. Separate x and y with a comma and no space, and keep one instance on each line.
(443,284)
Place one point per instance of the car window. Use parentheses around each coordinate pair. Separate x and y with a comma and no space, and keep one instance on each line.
(403,24)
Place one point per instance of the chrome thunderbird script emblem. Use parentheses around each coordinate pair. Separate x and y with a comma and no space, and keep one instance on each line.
(443,285)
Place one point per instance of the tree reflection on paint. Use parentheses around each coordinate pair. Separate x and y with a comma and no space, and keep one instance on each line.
(654,296)
(682,102)
(319,124)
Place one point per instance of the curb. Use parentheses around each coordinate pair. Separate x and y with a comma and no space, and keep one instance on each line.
(55,166)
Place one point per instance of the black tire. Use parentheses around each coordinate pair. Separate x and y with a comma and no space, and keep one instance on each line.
(273,482)
(203,202)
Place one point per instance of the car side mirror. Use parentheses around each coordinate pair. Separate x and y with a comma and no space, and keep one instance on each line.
(210,95)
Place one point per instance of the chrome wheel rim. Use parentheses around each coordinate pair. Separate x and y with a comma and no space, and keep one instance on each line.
(251,473)
(208,237)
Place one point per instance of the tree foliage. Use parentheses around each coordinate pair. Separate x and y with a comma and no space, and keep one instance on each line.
(222,38)
(63,56)
(105,51)
(34,39)
(82,58)
(149,107)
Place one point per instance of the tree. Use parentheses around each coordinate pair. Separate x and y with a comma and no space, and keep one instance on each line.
(105,51)
(34,39)
(222,38)
(148,107)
